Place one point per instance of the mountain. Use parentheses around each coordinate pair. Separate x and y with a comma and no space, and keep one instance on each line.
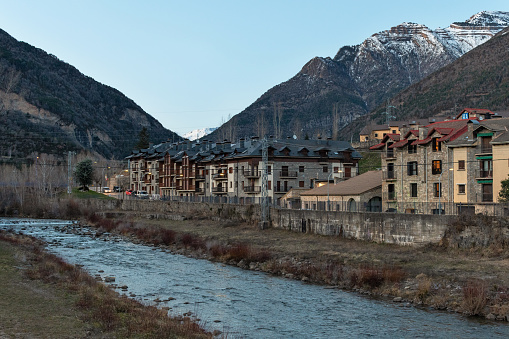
(199,133)
(479,79)
(48,106)
(359,78)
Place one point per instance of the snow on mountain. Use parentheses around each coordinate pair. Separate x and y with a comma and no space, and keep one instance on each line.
(199,133)
(460,37)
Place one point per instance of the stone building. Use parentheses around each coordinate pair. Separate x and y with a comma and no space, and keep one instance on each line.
(225,170)
(417,166)
(362,193)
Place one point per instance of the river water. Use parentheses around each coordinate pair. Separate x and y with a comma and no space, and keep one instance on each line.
(243,303)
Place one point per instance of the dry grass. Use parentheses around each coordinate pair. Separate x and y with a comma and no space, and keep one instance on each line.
(101,306)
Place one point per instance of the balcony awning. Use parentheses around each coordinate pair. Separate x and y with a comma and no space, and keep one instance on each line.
(484,157)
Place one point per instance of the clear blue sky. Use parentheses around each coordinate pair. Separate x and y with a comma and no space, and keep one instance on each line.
(191,64)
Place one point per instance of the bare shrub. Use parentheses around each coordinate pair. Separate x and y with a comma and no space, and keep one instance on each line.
(239,251)
(371,276)
(423,287)
(475,297)
(393,274)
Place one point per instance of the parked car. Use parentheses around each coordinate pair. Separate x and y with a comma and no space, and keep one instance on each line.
(117,189)
(106,190)
(142,194)
(129,192)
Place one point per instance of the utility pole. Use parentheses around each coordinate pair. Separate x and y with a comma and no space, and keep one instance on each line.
(69,169)
(265,206)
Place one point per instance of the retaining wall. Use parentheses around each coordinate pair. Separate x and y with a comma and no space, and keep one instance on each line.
(402,229)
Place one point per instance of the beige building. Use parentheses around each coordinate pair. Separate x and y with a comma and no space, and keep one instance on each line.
(362,193)
(481,163)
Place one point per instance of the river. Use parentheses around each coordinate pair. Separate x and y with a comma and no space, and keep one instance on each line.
(244,303)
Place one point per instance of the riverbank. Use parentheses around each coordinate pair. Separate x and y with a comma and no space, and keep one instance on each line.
(44,297)
(471,282)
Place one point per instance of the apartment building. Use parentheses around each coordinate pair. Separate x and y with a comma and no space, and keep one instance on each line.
(417,168)
(231,170)
(481,162)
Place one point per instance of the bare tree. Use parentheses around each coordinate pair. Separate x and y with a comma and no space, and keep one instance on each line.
(278,115)
(335,121)
(260,124)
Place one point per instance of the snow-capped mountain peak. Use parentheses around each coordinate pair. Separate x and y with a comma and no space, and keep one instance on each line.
(199,133)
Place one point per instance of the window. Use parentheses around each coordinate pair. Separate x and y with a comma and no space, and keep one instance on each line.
(376,135)
(231,184)
(412,149)
(230,170)
(393,131)
(269,185)
(412,168)
(301,169)
(436,146)
(461,188)
(301,183)
(336,169)
(461,165)
(413,190)
(437,189)
(269,169)
(436,166)
(325,169)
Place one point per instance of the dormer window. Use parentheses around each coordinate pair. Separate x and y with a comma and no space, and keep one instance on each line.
(436,146)
(412,149)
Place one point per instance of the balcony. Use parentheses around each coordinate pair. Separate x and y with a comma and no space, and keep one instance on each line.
(219,190)
(389,196)
(199,190)
(484,149)
(190,188)
(200,177)
(191,174)
(282,190)
(389,154)
(252,189)
(390,175)
(252,174)
(484,174)
(220,176)
(288,174)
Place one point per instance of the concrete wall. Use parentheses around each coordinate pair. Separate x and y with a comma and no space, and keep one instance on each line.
(401,229)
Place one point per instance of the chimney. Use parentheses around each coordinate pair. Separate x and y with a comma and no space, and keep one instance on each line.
(403,130)
(470,129)
(423,132)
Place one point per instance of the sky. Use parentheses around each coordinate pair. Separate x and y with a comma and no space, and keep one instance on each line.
(193,64)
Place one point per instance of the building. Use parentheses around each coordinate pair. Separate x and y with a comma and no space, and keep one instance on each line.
(372,133)
(417,168)
(481,163)
(224,170)
(362,193)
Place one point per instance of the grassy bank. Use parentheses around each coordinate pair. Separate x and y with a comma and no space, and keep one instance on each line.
(44,297)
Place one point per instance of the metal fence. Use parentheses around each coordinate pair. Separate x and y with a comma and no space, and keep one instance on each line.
(445,208)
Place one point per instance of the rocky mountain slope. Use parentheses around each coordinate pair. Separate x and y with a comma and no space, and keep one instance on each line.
(359,78)
(48,106)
